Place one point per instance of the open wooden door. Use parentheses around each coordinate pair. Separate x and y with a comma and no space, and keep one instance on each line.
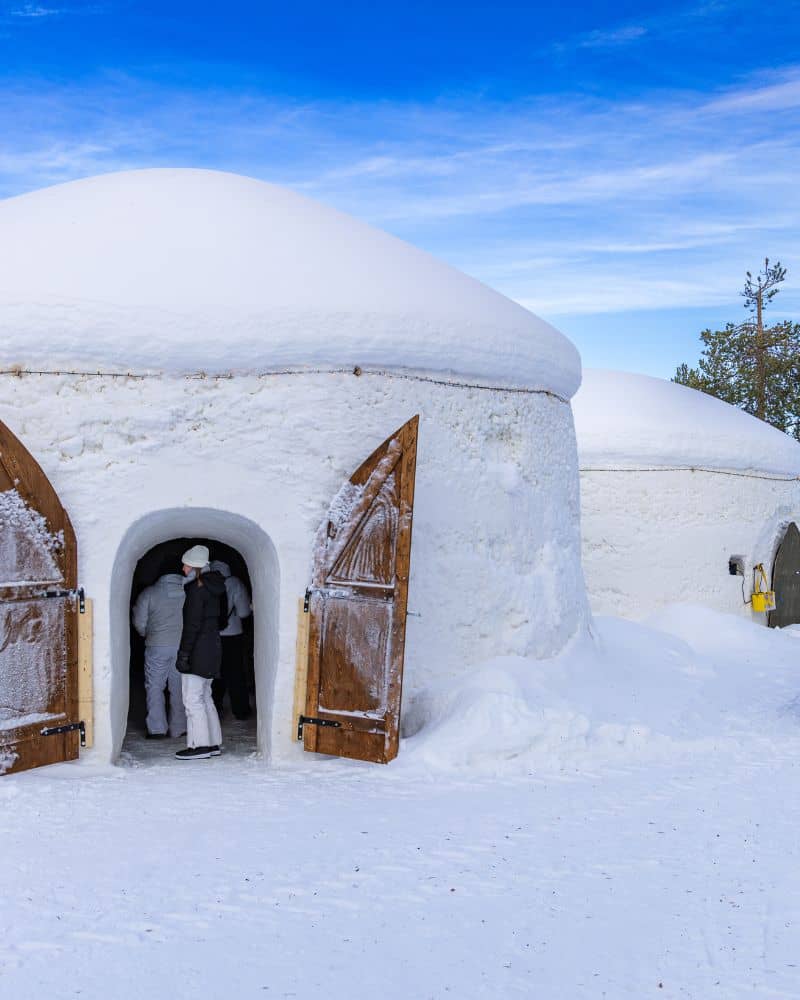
(786,580)
(357,602)
(39,606)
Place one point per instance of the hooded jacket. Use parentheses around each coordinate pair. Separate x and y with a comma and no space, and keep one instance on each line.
(158,611)
(239,605)
(200,651)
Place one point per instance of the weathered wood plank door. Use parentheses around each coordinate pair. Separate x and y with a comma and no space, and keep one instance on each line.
(358,601)
(786,580)
(38,615)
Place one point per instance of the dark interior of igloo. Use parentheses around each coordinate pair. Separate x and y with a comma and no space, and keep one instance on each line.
(166,558)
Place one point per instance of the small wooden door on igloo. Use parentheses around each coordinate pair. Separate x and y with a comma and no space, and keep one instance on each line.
(358,602)
(38,616)
(786,580)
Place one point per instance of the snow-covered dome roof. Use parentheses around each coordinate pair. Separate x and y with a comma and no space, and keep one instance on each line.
(628,421)
(196,270)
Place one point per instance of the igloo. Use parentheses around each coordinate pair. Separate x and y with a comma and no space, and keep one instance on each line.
(682,496)
(188,353)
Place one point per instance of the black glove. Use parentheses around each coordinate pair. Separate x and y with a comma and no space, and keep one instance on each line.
(183,663)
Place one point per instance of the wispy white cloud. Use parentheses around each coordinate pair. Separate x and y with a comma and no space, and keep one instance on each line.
(669,23)
(35,10)
(54,160)
(570,205)
(779,96)
(609,39)
(27,14)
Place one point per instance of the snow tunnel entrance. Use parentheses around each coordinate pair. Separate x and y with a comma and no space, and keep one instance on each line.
(151,548)
(156,597)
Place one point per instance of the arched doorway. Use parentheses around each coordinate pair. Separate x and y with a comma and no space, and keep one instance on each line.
(235,700)
(786,580)
(259,555)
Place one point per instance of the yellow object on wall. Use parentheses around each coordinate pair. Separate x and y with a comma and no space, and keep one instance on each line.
(764,601)
(763,598)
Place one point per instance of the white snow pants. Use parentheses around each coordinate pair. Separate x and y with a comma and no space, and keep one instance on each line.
(160,673)
(202,721)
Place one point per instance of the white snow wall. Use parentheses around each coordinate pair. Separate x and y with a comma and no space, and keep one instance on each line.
(655,537)
(254,461)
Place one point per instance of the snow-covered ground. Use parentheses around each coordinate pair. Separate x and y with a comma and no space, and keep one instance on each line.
(620,822)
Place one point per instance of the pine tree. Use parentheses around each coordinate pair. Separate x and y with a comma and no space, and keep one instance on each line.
(751,366)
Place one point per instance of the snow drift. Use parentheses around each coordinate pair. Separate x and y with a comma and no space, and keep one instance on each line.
(688,679)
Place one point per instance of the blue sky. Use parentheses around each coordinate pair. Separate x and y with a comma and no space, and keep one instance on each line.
(614,167)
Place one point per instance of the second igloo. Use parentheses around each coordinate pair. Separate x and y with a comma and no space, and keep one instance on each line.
(682,497)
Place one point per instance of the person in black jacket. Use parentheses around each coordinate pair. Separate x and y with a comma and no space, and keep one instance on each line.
(200,654)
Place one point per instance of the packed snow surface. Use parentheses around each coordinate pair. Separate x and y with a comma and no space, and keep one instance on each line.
(194,270)
(618,822)
(625,420)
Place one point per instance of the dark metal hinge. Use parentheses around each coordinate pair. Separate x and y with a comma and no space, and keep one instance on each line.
(309,720)
(329,591)
(70,593)
(68,727)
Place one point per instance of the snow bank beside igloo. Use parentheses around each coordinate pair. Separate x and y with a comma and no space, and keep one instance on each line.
(689,678)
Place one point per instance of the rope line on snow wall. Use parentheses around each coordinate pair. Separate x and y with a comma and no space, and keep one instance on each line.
(700,468)
(17,372)
(358,372)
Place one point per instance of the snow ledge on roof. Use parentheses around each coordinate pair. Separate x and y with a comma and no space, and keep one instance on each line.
(629,421)
(181,271)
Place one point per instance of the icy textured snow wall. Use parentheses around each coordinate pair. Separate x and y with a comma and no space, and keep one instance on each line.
(255,462)
(656,537)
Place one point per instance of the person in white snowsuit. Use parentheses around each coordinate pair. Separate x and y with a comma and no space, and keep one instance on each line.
(233,678)
(158,618)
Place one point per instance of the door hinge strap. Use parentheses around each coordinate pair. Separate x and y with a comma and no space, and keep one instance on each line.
(68,727)
(309,720)
(330,591)
(350,590)
(70,593)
